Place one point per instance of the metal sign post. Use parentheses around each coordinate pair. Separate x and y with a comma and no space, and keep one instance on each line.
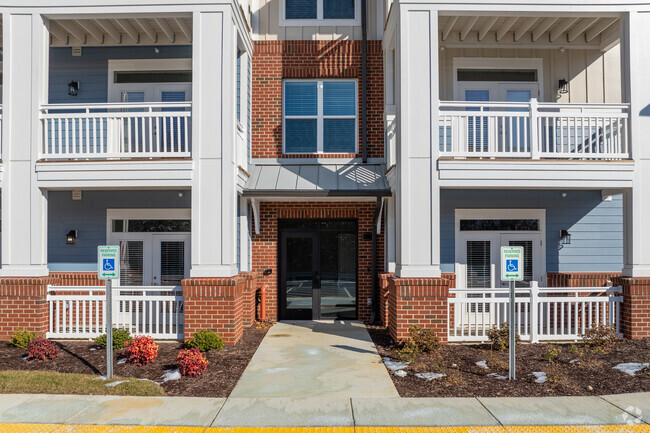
(108,268)
(512,269)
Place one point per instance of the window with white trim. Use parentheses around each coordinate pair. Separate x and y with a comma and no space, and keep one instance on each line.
(310,11)
(319,116)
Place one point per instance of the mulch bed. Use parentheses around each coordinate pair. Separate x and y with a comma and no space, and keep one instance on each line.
(224,368)
(592,374)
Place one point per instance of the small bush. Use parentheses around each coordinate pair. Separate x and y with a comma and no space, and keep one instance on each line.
(573,349)
(205,340)
(600,337)
(191,362)
(141,350)
(120,338)
(42,349)
(420,341)
(500,337)
(22,338)
(552,352)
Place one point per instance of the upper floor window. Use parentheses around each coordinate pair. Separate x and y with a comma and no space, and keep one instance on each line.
(320,116)
(313,11)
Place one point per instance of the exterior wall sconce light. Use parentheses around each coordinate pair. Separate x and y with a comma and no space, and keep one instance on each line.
(565,237)
(563,86)
(73,88)
(71,237)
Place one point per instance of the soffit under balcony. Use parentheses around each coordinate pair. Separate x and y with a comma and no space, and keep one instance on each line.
(519,31)
(121,31)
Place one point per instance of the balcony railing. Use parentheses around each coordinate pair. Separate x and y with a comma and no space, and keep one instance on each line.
(534,130)
(101,131)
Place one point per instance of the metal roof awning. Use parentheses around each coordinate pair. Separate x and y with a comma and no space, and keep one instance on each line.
(317,180)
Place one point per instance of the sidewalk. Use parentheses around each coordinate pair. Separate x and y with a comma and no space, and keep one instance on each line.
(629,410)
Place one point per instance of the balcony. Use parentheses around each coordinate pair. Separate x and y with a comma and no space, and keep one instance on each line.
(534,130)
(116,131)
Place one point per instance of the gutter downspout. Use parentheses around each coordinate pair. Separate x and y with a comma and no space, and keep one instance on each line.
(364,83)
(375,283)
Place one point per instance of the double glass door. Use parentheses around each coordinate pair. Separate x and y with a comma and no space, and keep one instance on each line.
(318,269)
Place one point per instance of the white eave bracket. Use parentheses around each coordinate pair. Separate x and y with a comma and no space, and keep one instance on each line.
(255,204)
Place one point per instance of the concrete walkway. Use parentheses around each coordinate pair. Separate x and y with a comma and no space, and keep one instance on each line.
(316,359)
(628,412)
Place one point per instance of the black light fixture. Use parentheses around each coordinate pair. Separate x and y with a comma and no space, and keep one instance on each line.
(71,237)
(563,85)
(565,237)
(73,88)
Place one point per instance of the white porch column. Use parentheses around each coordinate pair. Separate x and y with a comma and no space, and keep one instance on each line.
(635,60)
(389,237)
(418,191)
(24,205)
(214,197)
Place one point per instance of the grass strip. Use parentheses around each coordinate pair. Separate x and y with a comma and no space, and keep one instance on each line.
(46,382)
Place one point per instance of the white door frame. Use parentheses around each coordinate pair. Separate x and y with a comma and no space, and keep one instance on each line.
(157,238)
(115,89)
(460,244)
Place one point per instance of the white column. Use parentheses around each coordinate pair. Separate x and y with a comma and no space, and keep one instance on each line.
(24,205)
(214,197)
(418,192)
(389,236)
(244,235)
(635,60)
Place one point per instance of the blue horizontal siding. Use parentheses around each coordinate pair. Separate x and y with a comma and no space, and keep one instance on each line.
(91,69)
(88,217)
(596,226)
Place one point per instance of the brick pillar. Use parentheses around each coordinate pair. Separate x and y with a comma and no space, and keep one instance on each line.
(217,304)
(635,314)
(250,292)
(384,296)
(77,279)
(23,304)
(418,301)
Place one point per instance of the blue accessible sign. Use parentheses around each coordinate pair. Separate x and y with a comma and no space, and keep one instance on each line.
(512,259)
(108,262)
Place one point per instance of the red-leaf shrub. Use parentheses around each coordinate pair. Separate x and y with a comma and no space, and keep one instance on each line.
(41,349)
(191,362)
(142,350)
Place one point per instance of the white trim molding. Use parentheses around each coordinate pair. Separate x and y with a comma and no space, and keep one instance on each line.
(319,20)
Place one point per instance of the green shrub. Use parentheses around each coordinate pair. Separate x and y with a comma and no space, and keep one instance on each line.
(121,337)
(22,338)
(204,340)
(500,337)
(420,341)
(552,352)
(600,337)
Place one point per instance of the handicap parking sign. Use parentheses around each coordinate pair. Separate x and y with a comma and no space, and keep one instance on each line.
(108,262)
(512,264)
(109,265)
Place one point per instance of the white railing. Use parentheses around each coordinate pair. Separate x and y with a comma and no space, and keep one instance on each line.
(543,314)
(534,130)
(79,312)
(129,130)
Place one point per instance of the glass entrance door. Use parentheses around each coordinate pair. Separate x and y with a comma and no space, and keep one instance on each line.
(318,269)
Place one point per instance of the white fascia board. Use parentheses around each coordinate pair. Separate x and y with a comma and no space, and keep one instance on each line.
(535,174)
(515,7)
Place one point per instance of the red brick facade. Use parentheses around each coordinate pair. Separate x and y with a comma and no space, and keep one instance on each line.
(23,304)
(580,279)
(418,301)
(265,244)
(384,296)
(215,303)
(274,61)
(635,314)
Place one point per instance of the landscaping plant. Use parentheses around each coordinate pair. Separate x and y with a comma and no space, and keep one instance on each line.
(191,362)
(500,337)
(42,349)
(141,350)
(552,352)
(121,337)
(600,338)
(420,341)
(22,338)
(204,340)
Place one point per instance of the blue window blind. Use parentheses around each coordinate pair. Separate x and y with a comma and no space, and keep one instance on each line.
(171,124)
(238,85)
(301,9)
(339,98)
(301,135)
(301,98)
(339,135)
(477,134)
(338,9)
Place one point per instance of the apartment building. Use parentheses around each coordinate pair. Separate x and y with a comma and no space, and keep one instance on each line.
(358,159)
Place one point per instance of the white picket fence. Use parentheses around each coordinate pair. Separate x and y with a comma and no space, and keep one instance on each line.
(79,312)
(543,314)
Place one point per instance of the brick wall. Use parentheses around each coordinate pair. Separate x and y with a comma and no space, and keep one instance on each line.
(217,304)
(580,279)
(418,301)
(265,244)
(23,304)
(384,296)
(635,313)
(275,60)
(250,293)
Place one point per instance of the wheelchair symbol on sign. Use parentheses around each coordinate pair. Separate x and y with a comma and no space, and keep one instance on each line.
(109,265)
(512,265)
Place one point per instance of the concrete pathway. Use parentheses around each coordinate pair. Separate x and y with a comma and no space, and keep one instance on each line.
(321,359)
(620,413)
